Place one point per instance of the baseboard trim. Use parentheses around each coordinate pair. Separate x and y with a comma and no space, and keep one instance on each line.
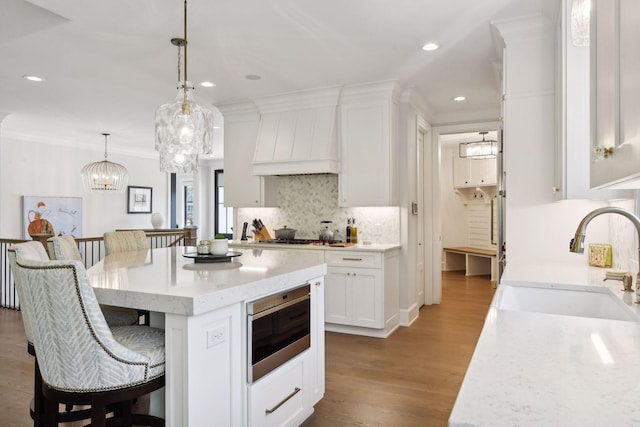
(408,316)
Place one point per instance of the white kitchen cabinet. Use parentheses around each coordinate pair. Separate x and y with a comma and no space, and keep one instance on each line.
(242,187)
(474,172)
(287,395)
(615,82)
(277,399)
(368,145)
(572,148)
(361,292)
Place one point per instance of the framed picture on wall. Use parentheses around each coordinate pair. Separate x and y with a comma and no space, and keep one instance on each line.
(51,215)
(139,200)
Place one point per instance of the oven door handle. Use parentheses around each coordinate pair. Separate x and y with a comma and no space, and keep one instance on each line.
(279,307)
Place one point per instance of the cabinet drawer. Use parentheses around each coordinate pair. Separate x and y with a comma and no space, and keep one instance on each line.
(353,259)
(277,398)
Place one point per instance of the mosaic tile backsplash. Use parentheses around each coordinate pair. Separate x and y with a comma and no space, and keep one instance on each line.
(305,200)
(623,235)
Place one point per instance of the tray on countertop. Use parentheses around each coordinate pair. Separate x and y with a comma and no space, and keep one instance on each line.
(197,258)
(342,245)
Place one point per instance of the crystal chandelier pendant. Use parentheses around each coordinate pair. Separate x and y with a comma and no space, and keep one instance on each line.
(104,176)
(184,130)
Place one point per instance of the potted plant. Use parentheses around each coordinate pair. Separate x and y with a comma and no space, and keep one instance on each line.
(219,245)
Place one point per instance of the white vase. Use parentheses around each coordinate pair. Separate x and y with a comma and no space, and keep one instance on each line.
(157,220)
(219,246)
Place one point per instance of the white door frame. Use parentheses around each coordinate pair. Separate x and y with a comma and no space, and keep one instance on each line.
(433,252)
(423,233)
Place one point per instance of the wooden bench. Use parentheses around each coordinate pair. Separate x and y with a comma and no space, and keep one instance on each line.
(474,261)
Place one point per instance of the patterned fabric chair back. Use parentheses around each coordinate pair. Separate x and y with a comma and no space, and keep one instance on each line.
(76,349)
(19,253)
(125,241)
(63,247)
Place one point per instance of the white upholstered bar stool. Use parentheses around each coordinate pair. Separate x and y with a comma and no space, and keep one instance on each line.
(82,360)
(66,248)
(35,251)
(127,241)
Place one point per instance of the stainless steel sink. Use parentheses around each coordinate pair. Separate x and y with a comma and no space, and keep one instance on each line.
(562,299)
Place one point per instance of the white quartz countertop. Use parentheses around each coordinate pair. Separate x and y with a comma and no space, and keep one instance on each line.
(164,280)
(535,369)
(374,247)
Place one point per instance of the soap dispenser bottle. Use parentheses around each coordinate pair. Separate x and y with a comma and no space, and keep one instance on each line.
(348,231)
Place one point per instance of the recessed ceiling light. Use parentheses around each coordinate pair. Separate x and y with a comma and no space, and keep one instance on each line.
(430,46)
(33,78)
(459,98)
(252,77)
(207,84)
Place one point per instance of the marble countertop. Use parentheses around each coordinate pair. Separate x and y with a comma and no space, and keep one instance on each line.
(164,280)
(538,369)
(374,247)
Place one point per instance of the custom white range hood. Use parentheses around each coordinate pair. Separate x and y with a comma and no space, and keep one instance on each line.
(298,133)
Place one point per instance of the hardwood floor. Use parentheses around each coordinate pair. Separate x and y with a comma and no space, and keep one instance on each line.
(409,379)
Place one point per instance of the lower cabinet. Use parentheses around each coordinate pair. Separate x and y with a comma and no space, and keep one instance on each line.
(287,395)
(361,292)
(354,297)
(278,398)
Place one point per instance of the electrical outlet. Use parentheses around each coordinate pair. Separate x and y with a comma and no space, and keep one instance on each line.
(216,336)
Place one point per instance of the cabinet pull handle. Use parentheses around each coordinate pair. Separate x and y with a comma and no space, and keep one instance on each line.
(282,402)
(317,283)
(352,259)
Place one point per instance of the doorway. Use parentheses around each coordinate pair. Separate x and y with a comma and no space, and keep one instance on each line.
(450,216)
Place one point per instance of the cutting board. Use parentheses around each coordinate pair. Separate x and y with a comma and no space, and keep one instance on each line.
(342,245)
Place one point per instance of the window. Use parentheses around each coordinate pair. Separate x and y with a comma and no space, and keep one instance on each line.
(188,204)
(223,215)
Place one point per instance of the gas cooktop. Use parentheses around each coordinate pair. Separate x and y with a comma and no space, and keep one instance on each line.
(301,241)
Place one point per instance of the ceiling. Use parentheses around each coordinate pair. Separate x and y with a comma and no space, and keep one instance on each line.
(108,65)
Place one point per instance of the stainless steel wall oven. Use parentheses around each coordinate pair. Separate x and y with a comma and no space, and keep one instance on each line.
(278,329)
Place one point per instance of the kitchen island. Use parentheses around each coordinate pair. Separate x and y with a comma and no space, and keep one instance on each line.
(539,369)
(204,307)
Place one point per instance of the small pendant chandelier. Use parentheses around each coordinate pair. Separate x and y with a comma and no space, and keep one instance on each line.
(184,128)
(104,176)
(485,149)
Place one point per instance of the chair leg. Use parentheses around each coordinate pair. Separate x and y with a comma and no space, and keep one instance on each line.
(38,397)
(126,413)
(50,415)
(98,414)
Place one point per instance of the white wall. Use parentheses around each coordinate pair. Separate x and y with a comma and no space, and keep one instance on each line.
(538,229)
(36,169)
(455,227)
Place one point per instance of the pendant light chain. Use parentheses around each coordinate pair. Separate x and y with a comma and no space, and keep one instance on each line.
(179,63)
(185,40)
(185,106)
(105,145)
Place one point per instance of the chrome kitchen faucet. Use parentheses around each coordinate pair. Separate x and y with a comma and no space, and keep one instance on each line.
(577,243)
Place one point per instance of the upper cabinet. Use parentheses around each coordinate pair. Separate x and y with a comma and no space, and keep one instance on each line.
(242,188)
(298,133)
(572,178)
(615,94)
(474,172)
(369,115)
